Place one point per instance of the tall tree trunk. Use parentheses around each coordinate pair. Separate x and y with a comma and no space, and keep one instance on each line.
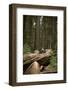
(37,32)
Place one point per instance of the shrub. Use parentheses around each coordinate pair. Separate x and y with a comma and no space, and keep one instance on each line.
(52,67)
(53,61)
(26,48)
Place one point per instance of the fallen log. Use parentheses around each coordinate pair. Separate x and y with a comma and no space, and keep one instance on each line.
(33,62)
(34,68)
(41,58)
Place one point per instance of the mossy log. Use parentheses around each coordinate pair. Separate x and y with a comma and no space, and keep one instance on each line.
(33,61)
(39,57)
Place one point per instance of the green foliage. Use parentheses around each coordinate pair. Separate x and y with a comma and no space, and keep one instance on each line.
(26,48)
(53,59)
(53,63)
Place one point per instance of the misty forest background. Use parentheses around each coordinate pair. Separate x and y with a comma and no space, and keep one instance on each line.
(40,32)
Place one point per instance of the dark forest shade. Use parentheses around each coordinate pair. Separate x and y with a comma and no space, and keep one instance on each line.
(40,32)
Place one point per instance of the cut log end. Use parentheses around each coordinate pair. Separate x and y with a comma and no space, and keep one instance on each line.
(34,68)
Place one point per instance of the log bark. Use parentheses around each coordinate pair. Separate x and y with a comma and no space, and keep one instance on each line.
(41,58)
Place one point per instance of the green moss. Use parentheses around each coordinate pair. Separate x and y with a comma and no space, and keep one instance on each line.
(26,48)
(53,61)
